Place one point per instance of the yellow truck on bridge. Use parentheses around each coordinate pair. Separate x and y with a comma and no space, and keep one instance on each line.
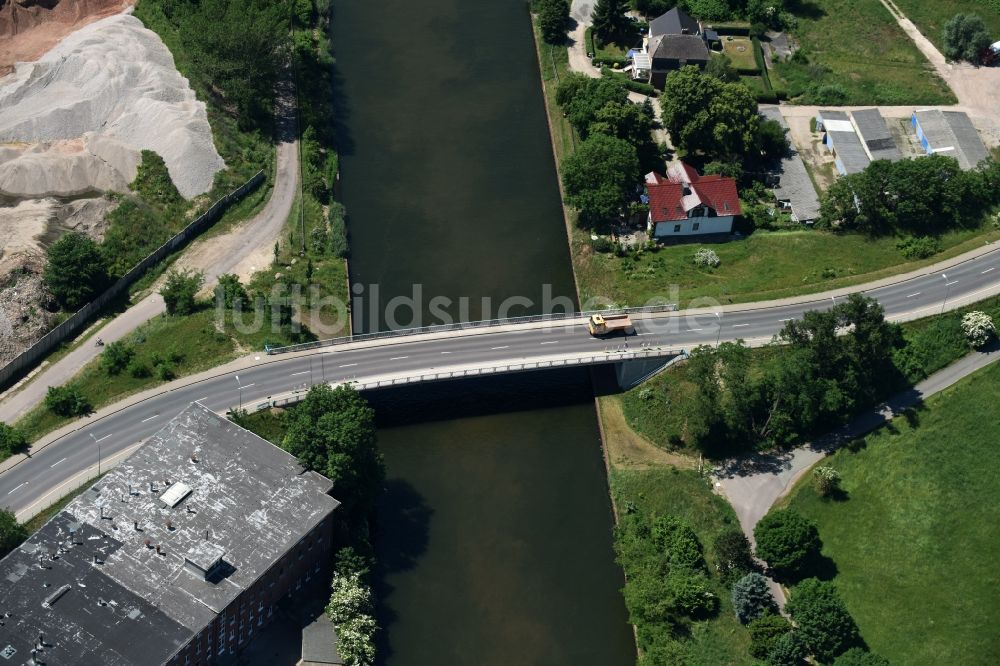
(602,325)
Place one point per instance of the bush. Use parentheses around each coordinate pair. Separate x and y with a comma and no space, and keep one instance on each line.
(706,258)
(116,357)
(752,598)
(12,440)
(918,247)
(732,555)
(979,328)
(965,36)
(691,593)
(67,401)
(611,62)
(765,632)
(826,480)
(860,657)
(179,290)
(822,620)
(787,541)
(602,244)
(76,271)
(352,613)
(138,369)
(788,650)
(12,533)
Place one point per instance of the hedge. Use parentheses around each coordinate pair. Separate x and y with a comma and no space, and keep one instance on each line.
(621,62)
(737,29)
(588,41)
(758,54)
(630,84)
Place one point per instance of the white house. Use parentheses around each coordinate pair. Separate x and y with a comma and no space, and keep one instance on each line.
(682,203)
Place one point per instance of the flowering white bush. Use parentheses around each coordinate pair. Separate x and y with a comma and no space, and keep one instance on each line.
(978,328)
(350,609)
(706,257)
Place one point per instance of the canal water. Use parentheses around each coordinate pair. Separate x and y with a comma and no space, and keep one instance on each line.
(494,533)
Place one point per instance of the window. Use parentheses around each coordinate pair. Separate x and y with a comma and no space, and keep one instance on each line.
(694,227)
(677,228)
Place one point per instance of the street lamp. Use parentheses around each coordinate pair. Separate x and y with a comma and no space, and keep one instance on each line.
(947,290)
(98,442)
(718,338)
(240,389)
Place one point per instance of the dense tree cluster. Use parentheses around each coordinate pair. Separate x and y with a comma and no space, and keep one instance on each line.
(965,36)
(732,555)
(12,533)
(553,18)
(816,380)
(924,196)
(12,440)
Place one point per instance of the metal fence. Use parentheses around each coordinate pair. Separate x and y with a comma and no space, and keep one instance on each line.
(84,315)
(467,325)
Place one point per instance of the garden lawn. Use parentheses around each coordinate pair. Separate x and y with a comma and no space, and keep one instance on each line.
(763,266)
(915,543)
(930,15)
(668,490)
(858,46)
(740,51)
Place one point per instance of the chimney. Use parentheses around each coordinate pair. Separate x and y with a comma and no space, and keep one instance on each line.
(152,487)
(41,639)
(189,509)
(194,457)
(97,558)
(130,489)
(206,535)
(170,525)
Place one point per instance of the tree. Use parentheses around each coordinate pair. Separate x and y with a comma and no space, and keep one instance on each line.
(732,555)
(979,328)
(582,97)
(12,440)
(600,177)
(709,10)
(229,291)
(609,20)
(704,114)
(352,613)
(553,15)
(788,650)
(76,271)
(823,623)
(765,632)
(12,533)
(827,480)
(67,401)
(721,67)
(965,36)
(179,290)
(116,357)
(653,8)
(752,598)
(772,140)
(767,12)
(857,656)
(333,432)
(787,541)
(633,123)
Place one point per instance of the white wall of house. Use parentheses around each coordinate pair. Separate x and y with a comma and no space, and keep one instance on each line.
(693,226)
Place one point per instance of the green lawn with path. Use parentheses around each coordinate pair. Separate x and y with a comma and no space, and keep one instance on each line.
(915,542)
(740,51)
(930,15)
(858,46)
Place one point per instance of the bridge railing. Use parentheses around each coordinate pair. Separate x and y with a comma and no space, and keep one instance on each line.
(467,325)
(594,359)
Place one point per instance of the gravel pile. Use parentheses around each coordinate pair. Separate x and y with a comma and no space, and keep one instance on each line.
(114,85)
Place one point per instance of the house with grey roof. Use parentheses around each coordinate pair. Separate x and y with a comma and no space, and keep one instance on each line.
(674,22)
(792,186)
(875,137)
(841,138)
(949,133)
(675,40)
(177,556)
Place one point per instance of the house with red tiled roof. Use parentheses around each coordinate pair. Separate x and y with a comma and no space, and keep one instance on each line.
(683,203)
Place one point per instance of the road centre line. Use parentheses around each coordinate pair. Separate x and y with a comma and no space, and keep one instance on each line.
(398,358)
(550,342)
(445,352)
(104,438)
(987,270)
(304,372)
(347,365)
(694,329)
(149,418)
(503,347)
(740,325)
(56,463)
(914,294)
(948,284)
(18,487)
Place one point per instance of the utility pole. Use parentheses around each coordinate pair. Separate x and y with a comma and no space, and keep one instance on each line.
(240,389)
(947,291)
(98,442)
(718,338)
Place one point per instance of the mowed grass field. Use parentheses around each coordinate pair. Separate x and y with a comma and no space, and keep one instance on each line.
(930,15)
(857,46)
(763,266)
(915,543)
(740,51)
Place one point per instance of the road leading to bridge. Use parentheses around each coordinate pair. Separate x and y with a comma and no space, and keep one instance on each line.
(37,481)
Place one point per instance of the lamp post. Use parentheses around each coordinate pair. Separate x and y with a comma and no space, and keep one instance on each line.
(98,442)
(947,290)
(718,338)
(240,389)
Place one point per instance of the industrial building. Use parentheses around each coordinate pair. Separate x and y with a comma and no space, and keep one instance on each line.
(843,141)
(876,140)
(178,556)
(949,133)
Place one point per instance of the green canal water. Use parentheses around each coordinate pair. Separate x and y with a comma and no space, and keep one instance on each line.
(494,532)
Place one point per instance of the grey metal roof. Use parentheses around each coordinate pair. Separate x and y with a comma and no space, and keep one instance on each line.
(875,135)
(794,184)
(673,22)
(679,47)
(250,503)
(952,133)
(319,643)
(846,142)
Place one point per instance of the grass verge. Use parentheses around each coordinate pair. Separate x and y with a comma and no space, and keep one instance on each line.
(914,543)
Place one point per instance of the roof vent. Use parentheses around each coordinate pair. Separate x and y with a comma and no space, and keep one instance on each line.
(175,494)
(204,559)
(55,596)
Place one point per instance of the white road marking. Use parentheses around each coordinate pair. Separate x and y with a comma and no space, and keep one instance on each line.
(694,329)
(398,358)
(150,418)
(740,325)
(12,490)
(916,294)
(56,462)
(987,270)
(789,319)
(347,365)
(200,399)
(550,342)
(445,352)
(948,284)
(503,347)
(304,372)
(105,437)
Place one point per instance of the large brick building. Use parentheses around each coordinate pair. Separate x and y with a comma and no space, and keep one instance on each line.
(178,556)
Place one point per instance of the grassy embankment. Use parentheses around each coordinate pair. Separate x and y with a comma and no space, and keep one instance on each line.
(930,15)
(857,48)
(657,410)
(915,541)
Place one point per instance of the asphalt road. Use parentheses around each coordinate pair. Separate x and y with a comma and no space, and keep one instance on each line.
(38,480)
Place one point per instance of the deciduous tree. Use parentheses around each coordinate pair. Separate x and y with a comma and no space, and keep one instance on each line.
(600,177)
(12,440)
(788,541)
(965,36)
(179,290)
(553,16)
(12,533)
(76,271)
